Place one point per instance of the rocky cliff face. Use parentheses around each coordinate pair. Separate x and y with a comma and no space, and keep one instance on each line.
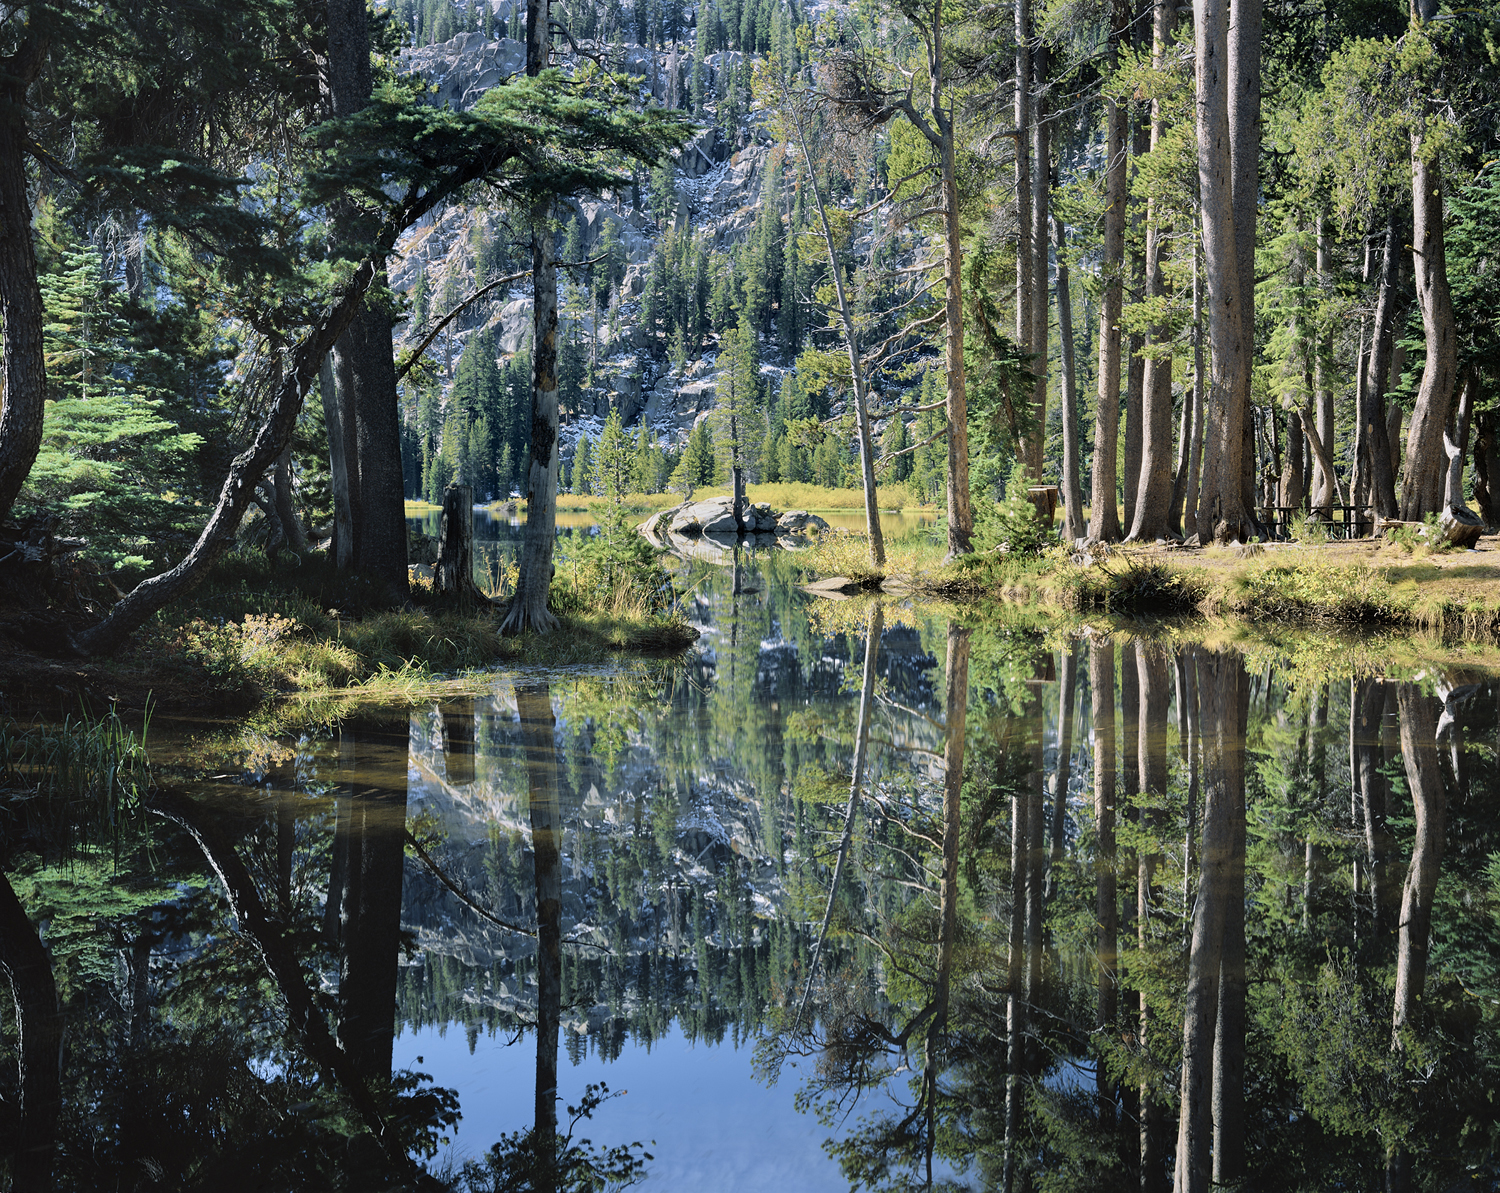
(717,188)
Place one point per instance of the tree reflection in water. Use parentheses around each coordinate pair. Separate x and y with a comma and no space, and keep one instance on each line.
(1166,923)
(1236,1041)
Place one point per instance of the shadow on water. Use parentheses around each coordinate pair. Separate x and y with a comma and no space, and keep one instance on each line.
(995,908)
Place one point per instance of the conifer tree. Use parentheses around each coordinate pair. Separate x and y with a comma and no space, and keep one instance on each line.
(583,467)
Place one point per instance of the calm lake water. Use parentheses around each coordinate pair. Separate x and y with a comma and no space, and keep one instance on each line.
(1078,875)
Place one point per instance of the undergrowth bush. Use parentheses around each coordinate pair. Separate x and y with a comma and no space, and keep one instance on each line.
(614,571)
(1011,526)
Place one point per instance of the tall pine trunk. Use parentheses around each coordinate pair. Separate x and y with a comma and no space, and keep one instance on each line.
(960,509)
(1426,462)
(1322,392)
(1153,503)
(1222,515)
(856,362)
(528,609)
(1072,488)
(1104,517)
(1135,343)
(364,368)
(23,394)
(1025,257)
(1041,196)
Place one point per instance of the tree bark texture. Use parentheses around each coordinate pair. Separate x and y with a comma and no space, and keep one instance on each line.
(528,609)
(1487,465)
(1292,495)
(1025,198)
(1072,489)
(293,537)
(338,467)
(1244,118)
(1135,343)
(364,369)
(1104,517)
(1322,392)
(1426,462)
(1456,440)
(1221,504)
(960,509)
(453,575)
(23,398)
(1153,503)
(1193,488)
(1041,204)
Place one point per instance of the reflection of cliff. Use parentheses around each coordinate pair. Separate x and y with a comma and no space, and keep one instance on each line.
(680,835)
(685,854)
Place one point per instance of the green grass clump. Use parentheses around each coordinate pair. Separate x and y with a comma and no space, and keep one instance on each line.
(1348,595)
(844,553)
(1135,585)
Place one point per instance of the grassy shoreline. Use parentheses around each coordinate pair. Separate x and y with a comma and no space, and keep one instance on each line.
(252,635)
(1373,584)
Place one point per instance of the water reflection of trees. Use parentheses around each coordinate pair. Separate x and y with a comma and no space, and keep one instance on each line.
(1215,974)
(1100,913)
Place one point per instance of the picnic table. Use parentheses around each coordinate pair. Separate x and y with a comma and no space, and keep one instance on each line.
(1341,521)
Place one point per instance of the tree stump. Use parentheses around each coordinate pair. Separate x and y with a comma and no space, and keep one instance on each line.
(453,574)
(1460,526)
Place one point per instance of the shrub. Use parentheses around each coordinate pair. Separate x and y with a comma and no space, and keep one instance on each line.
(1011,526)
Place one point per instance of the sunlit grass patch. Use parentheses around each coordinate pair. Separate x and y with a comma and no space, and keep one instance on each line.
(1352,595)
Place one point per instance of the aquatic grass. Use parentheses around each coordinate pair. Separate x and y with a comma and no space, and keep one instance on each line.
(73,784)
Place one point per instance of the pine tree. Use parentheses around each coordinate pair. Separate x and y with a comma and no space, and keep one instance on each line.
(612,463)
(699,463)
(583,467)
(895,440)
(110,449)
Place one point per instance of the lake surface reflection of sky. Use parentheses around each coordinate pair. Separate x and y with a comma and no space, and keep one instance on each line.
(713,1127)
